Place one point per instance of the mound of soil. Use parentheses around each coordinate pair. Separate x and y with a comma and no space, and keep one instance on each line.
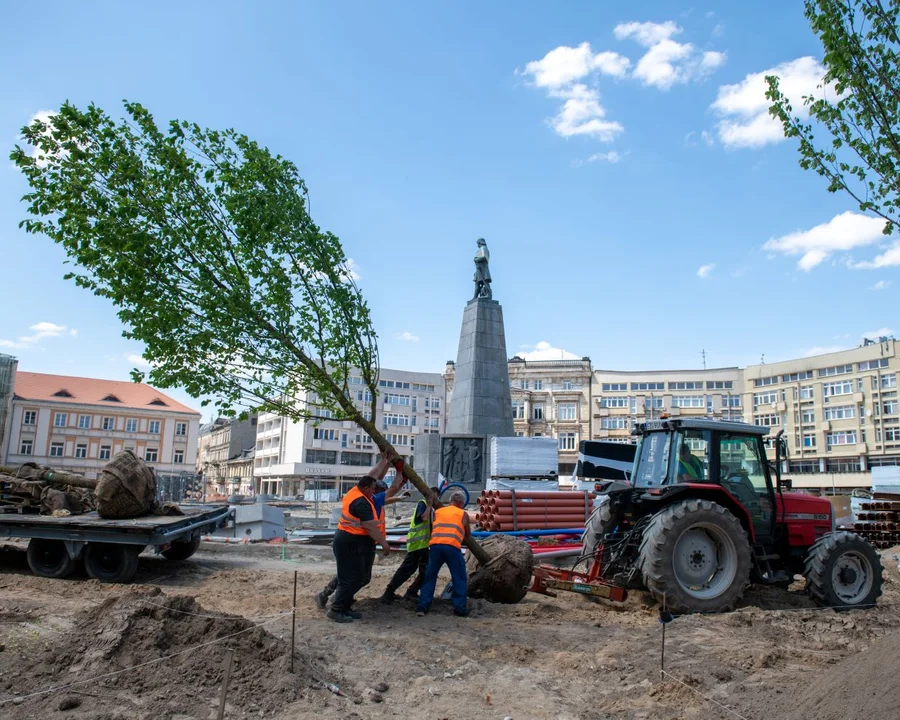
(860,686)
(506,578)
(146,625)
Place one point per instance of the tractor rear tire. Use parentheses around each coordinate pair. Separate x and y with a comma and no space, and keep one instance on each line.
(843,572)
(599,524)
(695,555)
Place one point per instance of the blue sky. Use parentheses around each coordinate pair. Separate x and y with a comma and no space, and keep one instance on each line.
(608,155)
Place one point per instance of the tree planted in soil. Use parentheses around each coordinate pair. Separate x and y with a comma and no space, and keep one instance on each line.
(203,241)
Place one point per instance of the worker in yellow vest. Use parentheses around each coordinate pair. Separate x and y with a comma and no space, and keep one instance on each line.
(449,530)
(417,541)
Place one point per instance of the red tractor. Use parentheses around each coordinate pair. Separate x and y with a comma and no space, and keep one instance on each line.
(701,519)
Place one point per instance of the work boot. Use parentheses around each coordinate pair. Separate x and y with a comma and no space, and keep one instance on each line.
(461,613)
(338,617)
(388,597)
(354,614)
(411,596)
(420,613)
(321,600)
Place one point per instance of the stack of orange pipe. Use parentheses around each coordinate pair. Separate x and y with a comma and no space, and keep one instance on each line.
(505,510)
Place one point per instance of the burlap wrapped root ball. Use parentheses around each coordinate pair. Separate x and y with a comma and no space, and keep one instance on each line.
(126,488)
(507,577)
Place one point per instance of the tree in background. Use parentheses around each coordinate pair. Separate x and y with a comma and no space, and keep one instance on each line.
(204,243)
(861,46)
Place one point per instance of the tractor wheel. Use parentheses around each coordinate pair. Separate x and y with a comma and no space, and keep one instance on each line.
(181,550)
(695,554)
(843,571)
(599,523)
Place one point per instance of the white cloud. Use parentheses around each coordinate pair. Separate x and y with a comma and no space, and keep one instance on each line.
(843,232)
(704,270)
(880,332)
(137,360)
(667,62)
(408,336)
(352,269)
(707,138)
(545,351)
(744,108)
(881,285)
(564,65)
(40,331)
(611,157)
(889,258)
(582,114)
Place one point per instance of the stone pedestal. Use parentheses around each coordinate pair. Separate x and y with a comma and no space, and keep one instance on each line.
(480,404)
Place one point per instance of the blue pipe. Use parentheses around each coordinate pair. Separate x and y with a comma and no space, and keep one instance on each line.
(533,533)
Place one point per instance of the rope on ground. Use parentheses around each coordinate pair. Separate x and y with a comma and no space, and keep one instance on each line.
(47,691)
(705,697)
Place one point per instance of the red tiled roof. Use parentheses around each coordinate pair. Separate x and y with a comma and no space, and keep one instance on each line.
(88,391)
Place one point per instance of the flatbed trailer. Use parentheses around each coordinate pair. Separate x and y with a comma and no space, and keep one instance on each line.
(109,548)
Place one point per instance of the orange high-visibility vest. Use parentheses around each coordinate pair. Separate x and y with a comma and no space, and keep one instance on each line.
(382,521)
(448,527)
(349,523)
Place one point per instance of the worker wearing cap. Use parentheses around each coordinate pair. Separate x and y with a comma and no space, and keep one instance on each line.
(449,530)
(417,540)
(690,467)
(361,526)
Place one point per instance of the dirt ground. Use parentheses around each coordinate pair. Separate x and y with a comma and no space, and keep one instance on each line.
(564,658)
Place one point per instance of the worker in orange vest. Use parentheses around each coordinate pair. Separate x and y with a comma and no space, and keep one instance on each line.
(359,529)
(449,530)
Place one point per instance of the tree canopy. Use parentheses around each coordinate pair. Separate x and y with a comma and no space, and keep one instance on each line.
(858,104)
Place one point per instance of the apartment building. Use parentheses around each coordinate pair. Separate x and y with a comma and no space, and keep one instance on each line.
(78,424)
(225,456)
(8,366)
(294,456)
(622,398)
(839,411)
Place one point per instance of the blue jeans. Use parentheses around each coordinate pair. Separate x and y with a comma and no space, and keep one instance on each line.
(438,556)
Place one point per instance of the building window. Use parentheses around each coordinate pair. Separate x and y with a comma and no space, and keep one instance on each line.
(731,401)
(391,399)
(692,385)
(396,420)
(56,449)
(178,457)
(60,419)
(538,384)
(567,441)
(25,447)
(873,364)
(81,451)
(808,417)
(356,459)
(109,423)
(518,410)
(568,385)
(890,435)
(84,422)
(364,396)
(615,387)
(181,428)
(538,412)
(890,407)
(689,401)
(153,427)
(766,420)
(719,385)
(324,434)
(836,370)
(762,382)
(807,392)
(150,455)
(397,439)
(844,412)
(632,401)
(656,403)
(889,381)
(29,417)
(568,411)
(765,398)
(614,402)
(613,423)
(809,441)
(523,384)
(105,451)
(131,425)
(648,386)
(847,437)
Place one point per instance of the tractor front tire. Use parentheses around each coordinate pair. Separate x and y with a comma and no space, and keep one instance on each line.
(695,556)
(843,572)
(599,524)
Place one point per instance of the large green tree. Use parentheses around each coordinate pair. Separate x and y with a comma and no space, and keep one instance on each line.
(857,106)
(203,241)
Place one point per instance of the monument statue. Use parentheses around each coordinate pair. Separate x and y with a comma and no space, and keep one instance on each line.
(461,459)
(482,271)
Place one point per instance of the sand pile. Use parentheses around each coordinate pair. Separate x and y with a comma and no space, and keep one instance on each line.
(507,576)
(860,686)
(145,625)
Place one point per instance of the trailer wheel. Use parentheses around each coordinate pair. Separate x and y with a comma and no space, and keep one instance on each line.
(181,550)
(111,562)
(50,558)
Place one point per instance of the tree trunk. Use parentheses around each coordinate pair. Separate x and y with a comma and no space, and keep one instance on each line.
(384,446)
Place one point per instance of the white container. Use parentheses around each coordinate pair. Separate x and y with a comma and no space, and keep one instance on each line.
(524,457)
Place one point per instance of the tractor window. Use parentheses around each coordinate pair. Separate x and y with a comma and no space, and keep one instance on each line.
(692,463)
(651,461)
(742,469)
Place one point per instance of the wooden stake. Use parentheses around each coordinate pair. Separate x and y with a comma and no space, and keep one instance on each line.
(293,621)
(229,657)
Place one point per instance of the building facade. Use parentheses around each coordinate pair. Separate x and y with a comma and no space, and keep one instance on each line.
(223,456)
(8,367)
(78,424)
(295,456)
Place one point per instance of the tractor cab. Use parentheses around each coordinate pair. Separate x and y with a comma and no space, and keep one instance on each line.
(702,456)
